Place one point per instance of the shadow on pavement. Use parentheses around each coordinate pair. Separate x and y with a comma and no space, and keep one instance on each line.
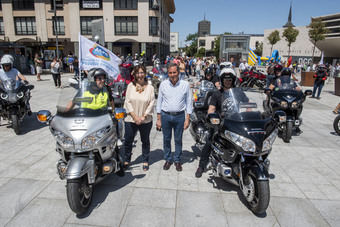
(109,184)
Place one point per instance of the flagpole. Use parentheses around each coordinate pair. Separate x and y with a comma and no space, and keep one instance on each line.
(80,57)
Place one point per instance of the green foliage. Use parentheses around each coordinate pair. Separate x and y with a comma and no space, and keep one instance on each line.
(317,31)
(191,49)
(273,38)
(201,52)
(217,46)
(258,49)
(290,35)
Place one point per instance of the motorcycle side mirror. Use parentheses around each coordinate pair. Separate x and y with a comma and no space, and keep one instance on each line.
(44,116)
(308,92)
(280,116)
(214,119)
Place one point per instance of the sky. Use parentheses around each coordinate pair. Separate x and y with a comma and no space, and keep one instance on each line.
(248,16)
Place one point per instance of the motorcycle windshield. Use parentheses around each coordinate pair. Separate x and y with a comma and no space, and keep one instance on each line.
(86,99)
(283,85)
(237,106)
(205,87)
(287,91)
(10,85)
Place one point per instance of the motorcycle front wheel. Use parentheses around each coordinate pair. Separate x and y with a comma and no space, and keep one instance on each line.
(336,125)
(257,194)
(287,134)
(79,195)
(15,124)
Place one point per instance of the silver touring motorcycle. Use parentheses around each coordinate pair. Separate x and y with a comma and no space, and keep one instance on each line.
(86,139)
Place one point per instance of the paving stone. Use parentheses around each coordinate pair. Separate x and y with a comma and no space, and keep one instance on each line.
(148,217)
(330,210)
(42,212)
(199,209)
(249,220)
(296,212)
(160,198)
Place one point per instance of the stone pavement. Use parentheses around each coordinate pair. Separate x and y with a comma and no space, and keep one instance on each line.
(305,179)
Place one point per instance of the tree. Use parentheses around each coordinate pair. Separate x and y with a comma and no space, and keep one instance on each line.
(317,31)
(217,46)
(273,38)
(201,52)
(290,35)
(258,48)
(191,49)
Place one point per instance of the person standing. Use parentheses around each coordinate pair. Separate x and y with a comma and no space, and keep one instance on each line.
(139,105)
(55,70)
(76,66)
(38,66)
(174,107)
(320,77)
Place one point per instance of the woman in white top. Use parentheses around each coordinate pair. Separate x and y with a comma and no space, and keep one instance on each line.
(139,104)
(55,70)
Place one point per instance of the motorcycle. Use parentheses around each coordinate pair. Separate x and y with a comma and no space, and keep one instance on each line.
(241,142)
(252,78)
(158,75)
(336,124)
(201,96)
(86,141)
(14,102)
(287,98)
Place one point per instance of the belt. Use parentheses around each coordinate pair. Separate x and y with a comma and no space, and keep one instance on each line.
(173,113)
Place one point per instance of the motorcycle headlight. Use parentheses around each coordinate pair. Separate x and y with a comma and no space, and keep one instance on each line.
(4,95)
(64,140)
(20,94)
(284,104)
(245,143)
(295,105)
(268,142)
(90,140)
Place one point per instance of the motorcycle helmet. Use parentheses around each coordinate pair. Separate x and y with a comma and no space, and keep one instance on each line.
(277,68)
(96,72)
(321,67)
(226,64)
(228,73)
(208,71)
(7,60)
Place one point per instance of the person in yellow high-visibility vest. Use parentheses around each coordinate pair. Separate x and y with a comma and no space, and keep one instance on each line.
(99,94)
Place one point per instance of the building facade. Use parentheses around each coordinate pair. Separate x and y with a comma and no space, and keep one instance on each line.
(208,43)
(331,44)
(203,28)
(237,46)
(174,42)
(301,50)
(130,26)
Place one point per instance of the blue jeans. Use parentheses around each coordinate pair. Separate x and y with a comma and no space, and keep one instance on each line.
(317,86)
(175,123)
(130,132)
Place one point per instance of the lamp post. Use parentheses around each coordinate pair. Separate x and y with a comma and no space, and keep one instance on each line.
(55,28)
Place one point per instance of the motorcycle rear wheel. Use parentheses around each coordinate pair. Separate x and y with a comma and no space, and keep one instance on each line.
(336,125)
(259,204)
(287,135)
(79,195)
(15,124)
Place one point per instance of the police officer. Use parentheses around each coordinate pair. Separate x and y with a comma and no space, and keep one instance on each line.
(320,77)
(228,78)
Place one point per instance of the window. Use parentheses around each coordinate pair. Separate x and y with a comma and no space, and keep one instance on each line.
(202,43)
(91,4)
(0,5)
(59,4)
(23,4)
(126,4)
(153,26)
(126,25)
(25,26)
(212,44)
(153,4)
(60,26)
(85,25)
(2,28)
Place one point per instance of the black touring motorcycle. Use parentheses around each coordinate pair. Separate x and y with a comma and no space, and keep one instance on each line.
(241,143)
(286,97)
(14,97)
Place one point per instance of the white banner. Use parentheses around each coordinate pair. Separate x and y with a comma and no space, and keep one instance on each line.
(93,55)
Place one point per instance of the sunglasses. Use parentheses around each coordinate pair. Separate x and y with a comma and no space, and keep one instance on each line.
(101,78)
(6,65)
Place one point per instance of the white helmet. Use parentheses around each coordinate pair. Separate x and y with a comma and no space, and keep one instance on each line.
(226,64)
(7,59)
(227,71)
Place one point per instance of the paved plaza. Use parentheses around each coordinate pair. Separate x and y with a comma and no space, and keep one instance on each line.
(305,179)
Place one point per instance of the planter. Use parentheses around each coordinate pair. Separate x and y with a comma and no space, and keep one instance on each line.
(307,79)
(337,86)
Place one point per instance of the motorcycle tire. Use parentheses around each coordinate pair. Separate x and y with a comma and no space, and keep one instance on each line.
(78,200)
(15,124)
(261,199)
(336,125)
(288,132)
(244,86)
